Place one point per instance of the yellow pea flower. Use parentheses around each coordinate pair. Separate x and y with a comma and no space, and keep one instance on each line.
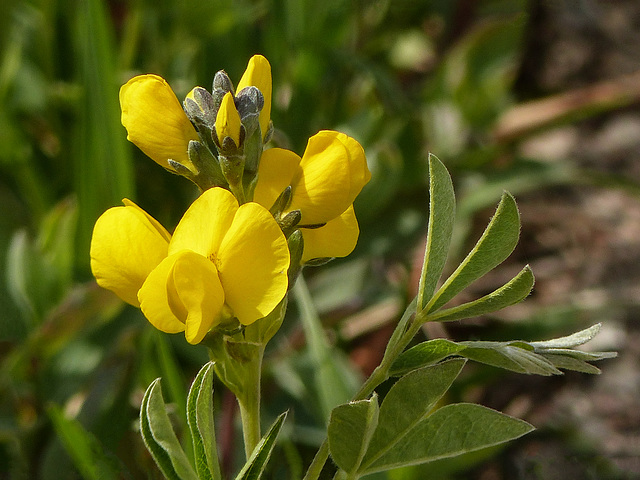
(258,74)
(228,121)
(156,122)
(324,182)
(127,244)
(223,260)
(337,238)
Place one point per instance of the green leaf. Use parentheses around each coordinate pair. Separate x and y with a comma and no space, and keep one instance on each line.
(570,341)
(495,245)
(571,363)
(172,376)
(256,464)
(87,452)
(408,402)
(201,424)
(450,431)
(442,207)
(103,169)
(511,356)
(423,355)
(350,429)
(510,293)
(159,437)
(334,380)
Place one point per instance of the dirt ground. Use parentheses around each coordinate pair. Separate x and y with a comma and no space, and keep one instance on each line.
(583,243)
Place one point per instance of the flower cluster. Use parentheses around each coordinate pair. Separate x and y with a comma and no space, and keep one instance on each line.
(262,214)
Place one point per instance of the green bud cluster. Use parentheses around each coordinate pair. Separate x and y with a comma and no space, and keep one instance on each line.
(223,162)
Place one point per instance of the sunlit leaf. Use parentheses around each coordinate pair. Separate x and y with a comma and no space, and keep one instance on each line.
(511,293)
(496,244)
(451,430)
(442,206)
(407,403)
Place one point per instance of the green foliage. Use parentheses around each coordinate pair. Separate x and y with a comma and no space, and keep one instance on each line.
(86,450)
(40,272)
(540,358)
(201,424)
(442,206)
(449,431)
(334,380)
(494,246)
(351,427)
(402,77)
(159,437)
(255,465)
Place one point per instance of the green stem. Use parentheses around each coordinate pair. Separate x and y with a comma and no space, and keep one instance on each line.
(379,375)
(317,464)
(250,405)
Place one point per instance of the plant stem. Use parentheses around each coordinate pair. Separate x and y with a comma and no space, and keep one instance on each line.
(250,405)
(313,473)
(379,375)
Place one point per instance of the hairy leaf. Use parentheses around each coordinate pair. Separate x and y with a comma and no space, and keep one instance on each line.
(201,424)
(159,437)
(510,356)
(450,431)
(350,429)
(423,355)
(495,245)
(442,206)
(256,464)
(408,402)
(509,294)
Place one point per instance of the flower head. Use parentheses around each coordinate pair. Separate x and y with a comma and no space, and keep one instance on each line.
(156,122)
(222,261)
(324,183)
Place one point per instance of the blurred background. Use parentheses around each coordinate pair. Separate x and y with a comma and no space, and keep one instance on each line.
(541,98)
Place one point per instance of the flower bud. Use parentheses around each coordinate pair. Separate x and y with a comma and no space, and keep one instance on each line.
(200,107)
(228,123)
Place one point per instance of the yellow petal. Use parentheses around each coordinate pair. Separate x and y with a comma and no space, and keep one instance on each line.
(228,120)
(360,174)
(127,244)
(183,294)
(337,238)
(159,304)
(334,170)
(275,173)
(258,74)
(322,191)
(155,121)
(198,287)
(205,223)
(253,261)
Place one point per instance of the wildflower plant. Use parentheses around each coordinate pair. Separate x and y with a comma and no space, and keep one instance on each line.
(223,278)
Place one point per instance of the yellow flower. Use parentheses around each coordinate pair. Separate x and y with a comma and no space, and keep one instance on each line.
(258,74)
(228,121)
(325,182)
(155,121)
(127,244)
(223,260)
